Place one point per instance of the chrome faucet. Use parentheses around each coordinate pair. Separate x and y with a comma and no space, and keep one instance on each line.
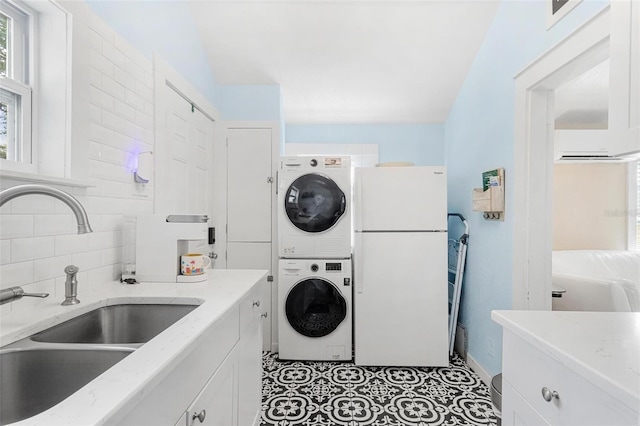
(12,294)
(68,199)
(71,286)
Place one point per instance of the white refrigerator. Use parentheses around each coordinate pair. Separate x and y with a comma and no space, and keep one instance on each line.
(400,266)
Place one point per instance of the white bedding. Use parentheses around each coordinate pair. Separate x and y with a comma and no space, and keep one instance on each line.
(597,280)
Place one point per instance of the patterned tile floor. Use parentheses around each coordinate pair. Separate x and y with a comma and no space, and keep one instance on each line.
(315,393)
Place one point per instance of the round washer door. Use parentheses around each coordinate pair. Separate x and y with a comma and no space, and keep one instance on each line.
(314,203)
(315,308)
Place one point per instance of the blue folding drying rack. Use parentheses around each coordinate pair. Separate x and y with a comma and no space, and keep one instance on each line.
(457,257)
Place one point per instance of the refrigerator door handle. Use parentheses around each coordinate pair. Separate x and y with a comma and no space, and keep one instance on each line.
(357,263)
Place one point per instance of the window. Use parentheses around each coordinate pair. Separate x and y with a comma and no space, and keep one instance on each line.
(637,212)
(15,92)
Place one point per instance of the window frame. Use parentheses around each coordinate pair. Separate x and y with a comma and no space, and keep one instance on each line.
(19,80)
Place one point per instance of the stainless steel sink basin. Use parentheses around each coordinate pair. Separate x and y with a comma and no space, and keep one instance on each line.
(116,324)
(34,380)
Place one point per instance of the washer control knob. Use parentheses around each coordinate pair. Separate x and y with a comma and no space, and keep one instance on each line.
(313,162)
(315,267)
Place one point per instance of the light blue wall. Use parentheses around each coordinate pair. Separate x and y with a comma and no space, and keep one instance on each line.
(167,28)
(250,102)
(422,144)
(479,136)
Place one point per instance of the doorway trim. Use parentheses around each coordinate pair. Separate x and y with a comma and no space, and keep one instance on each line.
(533,155)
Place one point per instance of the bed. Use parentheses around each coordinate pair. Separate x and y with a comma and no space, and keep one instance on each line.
(596,280)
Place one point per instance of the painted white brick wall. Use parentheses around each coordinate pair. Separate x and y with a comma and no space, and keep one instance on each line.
(38,233)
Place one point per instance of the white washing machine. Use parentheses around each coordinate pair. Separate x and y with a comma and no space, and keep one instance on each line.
(314,207)
(315,310)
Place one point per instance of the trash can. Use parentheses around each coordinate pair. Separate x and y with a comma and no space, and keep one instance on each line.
(496,396)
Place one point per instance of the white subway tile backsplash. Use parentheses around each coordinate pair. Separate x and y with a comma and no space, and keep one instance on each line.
(95,114)
(86,260)
(100,98)
(115,156)
(144,120)
(103,29)
(135,70)
(50,267)
(113,88)
(104,240)
(118,190)
(5,252)
(144,90)
(98,276)
(114,122)
(70,244)
(17,273)
(111,223)
(111,256)
(114,55)
(55,224)
(95,78)
(15,226)
(134,100)
(95,40)
(126,111)
(102,64)
(38,234)
(29,204)
(99,133)
(102,170)
(23,249)
(124,78)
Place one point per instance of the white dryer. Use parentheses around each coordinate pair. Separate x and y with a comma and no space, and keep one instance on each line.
(314,207)
(315,310)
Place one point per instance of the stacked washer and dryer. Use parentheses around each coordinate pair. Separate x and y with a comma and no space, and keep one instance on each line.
(314,247)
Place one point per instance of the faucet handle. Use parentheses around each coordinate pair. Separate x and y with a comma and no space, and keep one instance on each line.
(16,293)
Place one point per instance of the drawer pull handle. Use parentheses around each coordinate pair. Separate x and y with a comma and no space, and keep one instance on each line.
(200,416)
(256,303)
(264,315)
(549,395)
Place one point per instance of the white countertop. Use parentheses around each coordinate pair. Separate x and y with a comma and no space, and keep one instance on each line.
(602,347)
(124,384)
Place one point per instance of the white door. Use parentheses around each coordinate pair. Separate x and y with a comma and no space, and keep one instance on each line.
(249,185)
(183,158)
(400,299)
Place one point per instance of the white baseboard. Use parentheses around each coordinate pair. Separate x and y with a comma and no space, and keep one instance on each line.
(481,372)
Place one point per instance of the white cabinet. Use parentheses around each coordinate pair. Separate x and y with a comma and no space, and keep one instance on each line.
(252,156)
(539,389)
(215,404)
(624,87)
(219,382)
(249,365)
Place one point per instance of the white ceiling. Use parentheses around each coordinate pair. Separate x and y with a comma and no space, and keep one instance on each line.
(346,61)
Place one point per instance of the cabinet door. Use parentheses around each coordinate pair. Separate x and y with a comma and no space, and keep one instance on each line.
(249,356)
(516,411)
(249,183)
(214,406)
(182,158)
(255,256)
(624,88)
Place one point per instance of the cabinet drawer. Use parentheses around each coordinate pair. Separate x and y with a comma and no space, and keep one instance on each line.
(579,402)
